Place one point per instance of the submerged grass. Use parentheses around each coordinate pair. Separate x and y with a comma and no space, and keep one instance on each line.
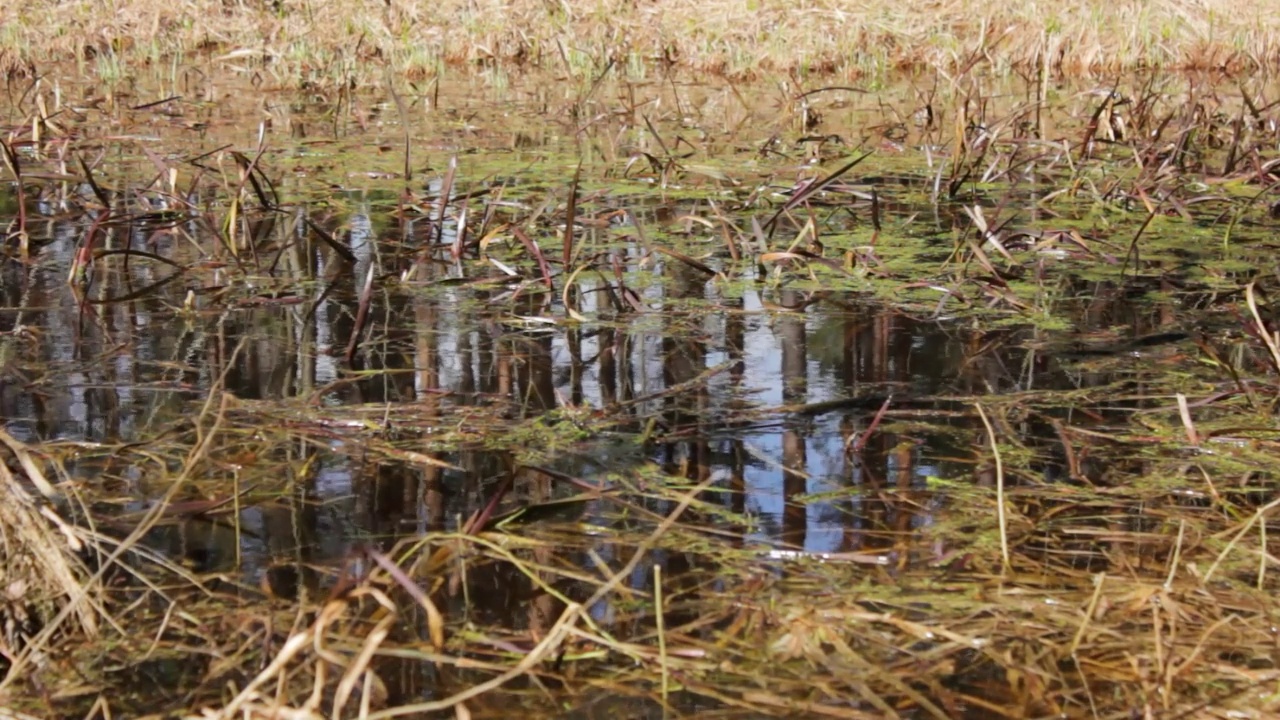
(339,41)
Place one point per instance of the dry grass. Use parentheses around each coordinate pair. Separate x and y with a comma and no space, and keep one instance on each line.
(358,40)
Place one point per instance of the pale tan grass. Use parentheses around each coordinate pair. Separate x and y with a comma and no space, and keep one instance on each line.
(733,37)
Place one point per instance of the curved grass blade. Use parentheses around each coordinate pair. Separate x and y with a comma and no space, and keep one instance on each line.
(809,190)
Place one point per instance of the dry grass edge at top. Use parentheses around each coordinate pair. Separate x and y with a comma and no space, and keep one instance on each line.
(346,40)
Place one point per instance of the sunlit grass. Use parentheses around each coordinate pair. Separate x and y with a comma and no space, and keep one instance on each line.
(730,37)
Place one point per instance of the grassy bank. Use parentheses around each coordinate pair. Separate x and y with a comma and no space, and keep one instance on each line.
(358,39)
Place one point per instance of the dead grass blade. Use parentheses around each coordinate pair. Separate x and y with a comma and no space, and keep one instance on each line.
(1000,498)
(691,262)
(29,465)
(446,192)
(251,172)
(12,162)
(343,251)
(570,217)
(407,170)
(362,314)
(536,253)
(1267,337)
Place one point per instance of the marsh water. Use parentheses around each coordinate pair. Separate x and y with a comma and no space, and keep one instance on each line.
(390,354)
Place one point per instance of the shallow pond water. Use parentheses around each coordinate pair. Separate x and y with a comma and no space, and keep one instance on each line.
(392,355)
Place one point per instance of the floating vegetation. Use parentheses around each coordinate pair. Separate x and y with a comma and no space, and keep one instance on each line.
(654,401)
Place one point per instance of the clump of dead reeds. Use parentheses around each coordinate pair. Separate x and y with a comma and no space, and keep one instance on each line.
(41,572)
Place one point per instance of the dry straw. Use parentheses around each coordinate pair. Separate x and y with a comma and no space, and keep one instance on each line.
(351,39)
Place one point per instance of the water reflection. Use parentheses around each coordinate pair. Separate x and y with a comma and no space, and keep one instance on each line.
(356,301)
(708,357)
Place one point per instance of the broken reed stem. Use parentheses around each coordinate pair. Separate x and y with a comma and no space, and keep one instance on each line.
(1185,412)
(1000,510)
(235,514)
(1158,642)
(1262,555)
(1177,554)
(862,439)
(1098,580)
(24,457)
(564,625)
(662,634)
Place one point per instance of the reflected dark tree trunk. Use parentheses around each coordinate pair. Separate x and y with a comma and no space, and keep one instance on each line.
(607,366)
(793,339)
(735,341)
(291,537)
(683,359)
